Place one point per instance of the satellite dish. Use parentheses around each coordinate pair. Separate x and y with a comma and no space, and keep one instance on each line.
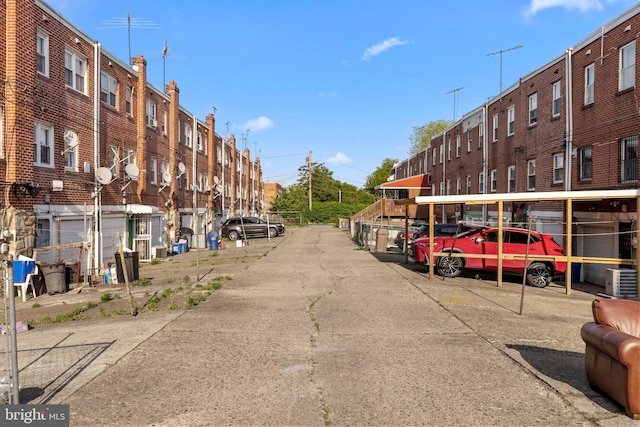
(166,176)
(218,188)
(132,171)
(181,168)
(216,180)
(71,139)
(103,175)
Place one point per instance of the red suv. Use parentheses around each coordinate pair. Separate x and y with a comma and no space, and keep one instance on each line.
(484,241)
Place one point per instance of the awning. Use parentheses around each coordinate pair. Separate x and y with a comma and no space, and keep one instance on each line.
(141,209)
(417,182)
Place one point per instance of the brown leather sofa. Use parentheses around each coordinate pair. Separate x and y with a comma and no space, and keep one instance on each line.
(612,354)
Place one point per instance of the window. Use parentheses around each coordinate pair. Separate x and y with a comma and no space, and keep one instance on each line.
(199,141)
(43,145)
(555,109)
(113,160)
(448,187)
(511,178)
(531,175)
(128,95)
(511,120)
(442,188)
(70,150)
(187,135)
(458,146)
(480,135)
(589,80)
(219,154)
(481,183)
(494,180)
(200,184)
(75,71)
(150,114)
(533,109)
(627,77)
(442,153)
(434,154)
(629,157)
(585,163)
(165,177)
(43,232)
(42,53)
(206,183)
(154,170)
(469,140)
(495,128)
(108,89)
(129,156)
(165,122)
(458,186)
(468,184)
(558,168)
(449,150)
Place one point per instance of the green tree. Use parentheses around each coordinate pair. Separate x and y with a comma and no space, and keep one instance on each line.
(379,176)
(421,136)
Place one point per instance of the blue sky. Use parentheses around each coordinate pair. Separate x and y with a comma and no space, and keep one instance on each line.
(345,79)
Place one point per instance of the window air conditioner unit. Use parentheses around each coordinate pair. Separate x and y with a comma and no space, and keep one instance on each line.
(158,252)
(621,283)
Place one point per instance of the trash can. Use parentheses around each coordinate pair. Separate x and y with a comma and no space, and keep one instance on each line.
(576,269)
(382,236)
(213,240)
(54,278)
(131,262)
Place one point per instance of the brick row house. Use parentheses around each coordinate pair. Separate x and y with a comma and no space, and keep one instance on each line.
(91,150)
(570,125)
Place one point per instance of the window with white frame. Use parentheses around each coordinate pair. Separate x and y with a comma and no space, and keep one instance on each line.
(458,146)
(469,140)
(586,163)
(511,120)
(128,95)
(42,52)
(150,114)
(199,141)
(448,187)
(70,150)
(165,122)
(128,156)
(480,135)
(442,153)
(531,175)
(481,183)
(206,183)
(495,128)
(558,168)
(458,186)
(533,109)
(164,172)
(449,150)
(511,179)
(442,188)
(589,81)
(43,232)
(433,156)
(468,184)
(75,71)
(108,89)
(43,145)
(113,160)
(629,159)
(494,180)
(627,77)
(187,135)
(153,166)
(219,154)
(557,96)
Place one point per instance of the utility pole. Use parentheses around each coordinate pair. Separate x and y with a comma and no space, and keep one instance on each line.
(310,173)
(500,52)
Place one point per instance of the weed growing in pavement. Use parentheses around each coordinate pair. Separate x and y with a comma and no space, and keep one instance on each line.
(144,281)
(186,280)
(213,254)
(154,261)
(166,292)
(106,297)
(222,278)
(112,313)
(173,305)
(170,281)
(192,302)
(91,305)
(153,303)
(210,286)
(36,305)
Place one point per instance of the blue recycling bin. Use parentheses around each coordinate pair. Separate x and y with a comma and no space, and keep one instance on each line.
(213,240)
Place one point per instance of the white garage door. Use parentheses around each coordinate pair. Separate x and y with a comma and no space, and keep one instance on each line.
(598,241)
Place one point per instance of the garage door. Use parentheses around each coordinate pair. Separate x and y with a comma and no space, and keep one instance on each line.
(598,242)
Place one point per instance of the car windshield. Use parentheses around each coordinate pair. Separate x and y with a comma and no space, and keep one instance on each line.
(470,232)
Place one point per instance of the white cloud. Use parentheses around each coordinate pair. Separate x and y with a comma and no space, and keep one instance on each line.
(581,5)
(261,123)
(327,94)
(381,47)
(339,158)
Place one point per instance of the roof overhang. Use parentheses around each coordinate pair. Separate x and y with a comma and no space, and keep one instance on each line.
(141,209)
(417,182)
(480,199)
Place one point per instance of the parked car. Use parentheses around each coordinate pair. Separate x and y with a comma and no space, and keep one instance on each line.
(246,227)
(484,241)
(423,231)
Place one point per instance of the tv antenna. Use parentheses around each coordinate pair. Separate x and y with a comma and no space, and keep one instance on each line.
(164,54)
(500,52)
(128,23)
(455,95)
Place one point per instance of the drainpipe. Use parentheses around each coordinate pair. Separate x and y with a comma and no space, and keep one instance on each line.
(97,239)
(569,121)
(444,172)
(485,160)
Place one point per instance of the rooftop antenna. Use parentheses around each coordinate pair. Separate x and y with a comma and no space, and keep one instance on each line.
(455,94)
(214,110)
(164,53)
(128,22)
(500,52)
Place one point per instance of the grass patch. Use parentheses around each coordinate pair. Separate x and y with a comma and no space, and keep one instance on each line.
(186,280)
(173,305)
(106,297)
(192,302)
(36,305)
(154,261)
(210,286)
(144,281)
(112,313)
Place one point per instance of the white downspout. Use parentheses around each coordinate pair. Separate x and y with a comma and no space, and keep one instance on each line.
(485,159)
(569,121)
(97,214)
(444,172)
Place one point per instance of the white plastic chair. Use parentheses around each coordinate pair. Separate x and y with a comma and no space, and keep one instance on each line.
(23,286)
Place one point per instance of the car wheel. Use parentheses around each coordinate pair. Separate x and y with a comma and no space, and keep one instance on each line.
(449,266)
(233,235)
(538,275)
(273,232)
